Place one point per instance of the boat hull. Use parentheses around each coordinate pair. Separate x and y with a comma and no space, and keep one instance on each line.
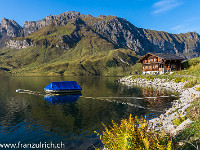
(62,91)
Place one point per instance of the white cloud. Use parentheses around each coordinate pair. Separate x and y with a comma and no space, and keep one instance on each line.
(165,5)
(192,19)
(178,27)
(185,28)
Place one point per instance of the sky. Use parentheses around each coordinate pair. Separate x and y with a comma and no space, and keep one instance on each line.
(173,16)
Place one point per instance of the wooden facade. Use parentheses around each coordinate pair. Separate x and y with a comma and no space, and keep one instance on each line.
(160,63)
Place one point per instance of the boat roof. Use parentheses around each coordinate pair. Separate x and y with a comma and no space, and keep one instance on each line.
(63,85)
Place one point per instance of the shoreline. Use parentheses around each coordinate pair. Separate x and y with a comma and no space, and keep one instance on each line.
(179,107)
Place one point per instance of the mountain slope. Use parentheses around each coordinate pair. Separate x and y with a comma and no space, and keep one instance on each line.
(73,43)
(71,49)
(120,32)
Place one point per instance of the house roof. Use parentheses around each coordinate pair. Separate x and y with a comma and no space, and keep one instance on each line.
(163,56)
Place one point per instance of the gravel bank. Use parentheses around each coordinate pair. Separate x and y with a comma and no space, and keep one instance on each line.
(178,107)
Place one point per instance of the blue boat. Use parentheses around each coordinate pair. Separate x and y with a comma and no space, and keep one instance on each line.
(56,99)
(63,87)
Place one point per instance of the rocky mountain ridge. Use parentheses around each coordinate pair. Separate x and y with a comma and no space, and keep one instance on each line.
(118,31)
(9,29)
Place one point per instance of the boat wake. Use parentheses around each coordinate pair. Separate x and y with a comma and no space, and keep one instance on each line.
(113,99)
(29,92)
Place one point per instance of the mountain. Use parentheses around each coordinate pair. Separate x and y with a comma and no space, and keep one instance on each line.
(93,45)
(8,29)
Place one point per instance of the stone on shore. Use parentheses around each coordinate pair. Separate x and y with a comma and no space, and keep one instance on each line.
(179,107)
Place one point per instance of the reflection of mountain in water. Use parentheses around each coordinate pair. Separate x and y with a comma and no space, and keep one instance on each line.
(64,98)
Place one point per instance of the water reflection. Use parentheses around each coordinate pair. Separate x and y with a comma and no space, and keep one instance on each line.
(62,98)
(28,118)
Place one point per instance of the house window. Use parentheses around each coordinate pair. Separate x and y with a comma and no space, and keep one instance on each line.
(173,66)
(155,60)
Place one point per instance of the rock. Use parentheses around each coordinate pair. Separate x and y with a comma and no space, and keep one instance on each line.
(18,44)
(62,19)
(9,29)
(171,128)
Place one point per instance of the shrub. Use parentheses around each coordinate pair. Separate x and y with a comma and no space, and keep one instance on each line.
(150,78)
(134,134)
(183,80)
(177,80)
(190,83)
(167,73)
(179,120)
(176,121)
(198,88)
(170,78)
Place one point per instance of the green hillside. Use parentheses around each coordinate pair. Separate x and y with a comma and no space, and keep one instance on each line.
(191,67)
(84,53)
(69,49)
(55,61)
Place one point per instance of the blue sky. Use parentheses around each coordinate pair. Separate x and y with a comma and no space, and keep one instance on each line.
(173,16)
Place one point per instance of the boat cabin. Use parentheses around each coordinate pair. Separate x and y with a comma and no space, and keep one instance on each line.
(63,87)
(160,63)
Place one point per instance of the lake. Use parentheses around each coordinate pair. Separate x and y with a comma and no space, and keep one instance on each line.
(31,116)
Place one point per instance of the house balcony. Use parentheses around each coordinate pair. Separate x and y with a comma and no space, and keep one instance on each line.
(159,62)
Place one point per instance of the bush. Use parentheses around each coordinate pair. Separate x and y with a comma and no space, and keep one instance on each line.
(190,83)
(179,120)
(177,80)
(170,78)
(183,80)
(198,88)
(134,134)
(150,78)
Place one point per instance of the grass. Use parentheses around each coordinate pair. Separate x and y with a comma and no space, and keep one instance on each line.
(51,33)
(191,83)
(55,61)
(189,138)
(191,67)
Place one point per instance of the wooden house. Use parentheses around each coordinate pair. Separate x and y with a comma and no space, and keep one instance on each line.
(160,63)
